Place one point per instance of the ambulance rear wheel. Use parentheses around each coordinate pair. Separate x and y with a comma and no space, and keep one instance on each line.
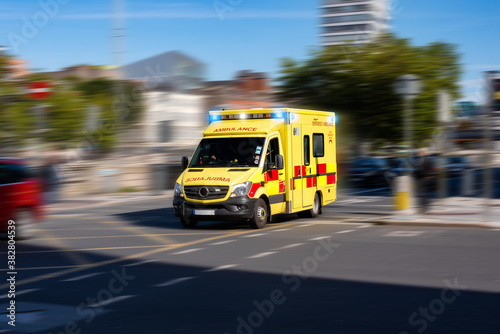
(315,211)
(188,222)
(260,215)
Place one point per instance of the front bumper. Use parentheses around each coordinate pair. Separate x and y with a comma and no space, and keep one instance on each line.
(239,208)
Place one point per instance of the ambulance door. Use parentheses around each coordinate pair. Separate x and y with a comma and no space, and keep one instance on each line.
(274,178)
(297,152)
(308,169)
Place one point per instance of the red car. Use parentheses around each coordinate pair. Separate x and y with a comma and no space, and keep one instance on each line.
(20,197)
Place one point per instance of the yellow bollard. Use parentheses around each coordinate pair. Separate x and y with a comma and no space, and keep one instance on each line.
(403,193)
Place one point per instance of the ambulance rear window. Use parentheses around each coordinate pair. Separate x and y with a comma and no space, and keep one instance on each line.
(318,145)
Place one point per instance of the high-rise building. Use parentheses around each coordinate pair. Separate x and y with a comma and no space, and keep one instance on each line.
(353,21)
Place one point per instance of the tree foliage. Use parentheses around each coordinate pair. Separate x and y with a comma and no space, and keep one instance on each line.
(358,83)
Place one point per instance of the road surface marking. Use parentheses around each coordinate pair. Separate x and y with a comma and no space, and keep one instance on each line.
(81,277)
(174,281)
(260,255)
(281,230)
(74,258)
(139,263)
(110,301)
(222,242)
(19,293)
(188,251)
(319,238)
(346,231)
(363,226)
(113,236)
(303,225)
(253,235)
(163,248)
(226,266)
(291,246)
(404,233)
(365,191)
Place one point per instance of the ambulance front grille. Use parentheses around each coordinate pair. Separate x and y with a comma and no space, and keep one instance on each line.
(205,192)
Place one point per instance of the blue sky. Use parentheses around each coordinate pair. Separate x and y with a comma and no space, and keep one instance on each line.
(242,34)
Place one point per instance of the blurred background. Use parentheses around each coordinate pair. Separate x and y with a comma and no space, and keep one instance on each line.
(118,91)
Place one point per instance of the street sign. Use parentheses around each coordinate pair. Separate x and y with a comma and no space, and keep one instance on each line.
(409,86)
(39,90)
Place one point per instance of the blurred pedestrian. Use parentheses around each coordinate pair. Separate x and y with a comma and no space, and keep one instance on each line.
(51,180)
(424,175)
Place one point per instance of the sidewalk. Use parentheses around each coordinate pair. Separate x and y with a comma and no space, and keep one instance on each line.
(451,212)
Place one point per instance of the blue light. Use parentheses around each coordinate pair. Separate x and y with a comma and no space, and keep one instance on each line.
(278,115)
(213,118)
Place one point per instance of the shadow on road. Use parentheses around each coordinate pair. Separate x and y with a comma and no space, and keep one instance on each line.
(192,300)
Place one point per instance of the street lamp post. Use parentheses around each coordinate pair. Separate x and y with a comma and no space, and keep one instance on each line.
(408,86)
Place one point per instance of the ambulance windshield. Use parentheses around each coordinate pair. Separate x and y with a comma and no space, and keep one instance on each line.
(228,152)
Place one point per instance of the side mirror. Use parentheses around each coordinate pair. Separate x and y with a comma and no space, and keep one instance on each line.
(280,162)
(185,162)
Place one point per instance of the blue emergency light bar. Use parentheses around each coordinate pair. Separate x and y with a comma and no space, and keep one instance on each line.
(276,114)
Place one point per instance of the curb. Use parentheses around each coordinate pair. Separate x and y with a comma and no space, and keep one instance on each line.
(52,212)
(435,224)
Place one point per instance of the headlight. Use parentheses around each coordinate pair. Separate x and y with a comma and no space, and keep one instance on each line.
(241,189)
(178,190)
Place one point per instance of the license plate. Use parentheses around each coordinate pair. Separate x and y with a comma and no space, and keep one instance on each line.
(204,212)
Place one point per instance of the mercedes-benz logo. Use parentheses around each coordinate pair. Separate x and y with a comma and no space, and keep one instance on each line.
(203,192)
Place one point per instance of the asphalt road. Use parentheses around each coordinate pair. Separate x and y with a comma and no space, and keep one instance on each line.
(131,268)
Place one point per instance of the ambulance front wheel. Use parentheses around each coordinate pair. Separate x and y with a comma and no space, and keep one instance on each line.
(188,222)
(260,215)
(315,211)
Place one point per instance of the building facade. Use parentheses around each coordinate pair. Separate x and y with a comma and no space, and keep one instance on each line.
(353,21)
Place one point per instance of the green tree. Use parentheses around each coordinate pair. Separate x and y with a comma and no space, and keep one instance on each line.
(358,83)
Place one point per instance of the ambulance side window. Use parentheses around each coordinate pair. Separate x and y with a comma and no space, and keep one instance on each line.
(318,145)
(307,153)
(273,149)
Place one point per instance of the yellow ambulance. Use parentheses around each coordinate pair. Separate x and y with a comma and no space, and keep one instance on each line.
(254,164)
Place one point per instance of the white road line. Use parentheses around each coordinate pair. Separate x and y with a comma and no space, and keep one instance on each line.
(346,231)
(23,292)
(110,301)
(304,225)
(319,238)
(81,277)
(404,233)
(139,263)
(291,246)
(174,281)
(281,230)
(226,266)
(363,226)
(260,255)
(222,242)
(253,235)
(187,251)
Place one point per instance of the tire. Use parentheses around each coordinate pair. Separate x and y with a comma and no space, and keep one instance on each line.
(25,224)
(315,211)
(188,222)
(260,215)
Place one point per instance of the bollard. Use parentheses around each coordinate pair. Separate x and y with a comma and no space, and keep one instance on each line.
(403,197)
(468,182)
(108,180)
